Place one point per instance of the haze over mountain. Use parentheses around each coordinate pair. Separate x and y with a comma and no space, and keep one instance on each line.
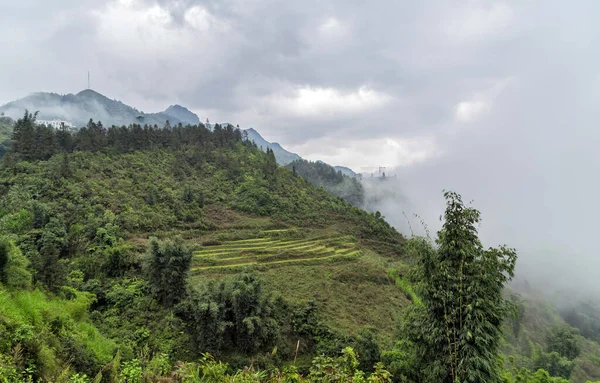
(79,108)
(283,156)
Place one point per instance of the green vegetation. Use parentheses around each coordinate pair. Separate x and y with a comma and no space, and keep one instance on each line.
(334,181)
(456,330)
(268,251)
(6,129)
(49,337)
(128,253)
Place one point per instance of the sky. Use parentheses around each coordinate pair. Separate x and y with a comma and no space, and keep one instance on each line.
(497,100)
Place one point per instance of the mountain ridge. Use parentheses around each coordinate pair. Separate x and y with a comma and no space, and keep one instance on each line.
(89,104)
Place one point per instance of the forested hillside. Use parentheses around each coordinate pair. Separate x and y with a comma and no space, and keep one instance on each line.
(334,181)
(181,254)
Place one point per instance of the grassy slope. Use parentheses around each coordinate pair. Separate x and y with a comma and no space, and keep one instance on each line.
(32,324)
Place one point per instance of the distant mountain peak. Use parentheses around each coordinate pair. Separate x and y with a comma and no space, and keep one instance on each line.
(87,92)
(182,113)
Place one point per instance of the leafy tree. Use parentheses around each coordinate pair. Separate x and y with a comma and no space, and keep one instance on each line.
(13,265)
(457,329)
(169,266)
(233,314)
(565,340)
(52,248)
(554,364)
(367,349)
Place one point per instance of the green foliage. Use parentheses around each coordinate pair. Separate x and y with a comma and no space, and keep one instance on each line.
(233,314)
(405,286)
(368,350)
(169,263)
(334,181)
(585,316)
(457,330)
(131,372)
(554,364)
(41,331)
(340,369)
(564,340)
(13,265)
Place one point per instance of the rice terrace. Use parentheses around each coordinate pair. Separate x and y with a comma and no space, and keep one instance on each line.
(273,247)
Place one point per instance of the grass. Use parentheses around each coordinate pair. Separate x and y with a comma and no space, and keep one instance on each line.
(267,250)
(33,313)
(405,286)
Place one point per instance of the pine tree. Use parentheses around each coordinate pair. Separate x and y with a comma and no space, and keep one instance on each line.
(23,136)
(457,329)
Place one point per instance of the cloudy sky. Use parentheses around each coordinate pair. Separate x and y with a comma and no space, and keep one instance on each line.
(495,99)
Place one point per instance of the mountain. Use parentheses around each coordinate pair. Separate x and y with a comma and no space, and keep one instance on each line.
(182,114)
(88,104)
(282,156)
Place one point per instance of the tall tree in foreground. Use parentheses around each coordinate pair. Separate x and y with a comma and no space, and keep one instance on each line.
(456,330)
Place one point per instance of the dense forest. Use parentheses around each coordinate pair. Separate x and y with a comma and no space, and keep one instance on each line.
(334,181)
(182,254)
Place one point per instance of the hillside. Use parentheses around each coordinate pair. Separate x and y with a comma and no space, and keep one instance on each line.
(334,181)
(165,244)
(88,104)
(84,219)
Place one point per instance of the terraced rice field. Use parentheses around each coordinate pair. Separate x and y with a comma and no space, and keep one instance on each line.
(269,250)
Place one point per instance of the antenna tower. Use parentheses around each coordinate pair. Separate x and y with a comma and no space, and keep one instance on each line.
(89,87)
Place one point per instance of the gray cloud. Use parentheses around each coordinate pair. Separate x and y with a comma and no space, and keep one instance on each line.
(495,99)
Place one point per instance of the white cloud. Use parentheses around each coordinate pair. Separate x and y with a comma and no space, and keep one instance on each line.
(329,102)
(333,29)
(366,155)
(135,27)
(481,103)
(476,21)
(199,18)
(467,111)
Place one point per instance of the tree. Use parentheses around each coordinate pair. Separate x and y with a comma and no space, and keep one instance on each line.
(565,341)
(3,261)
(13,265)
(457,328)
(367,349)
(235,314)
(169,265)
(23,136)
